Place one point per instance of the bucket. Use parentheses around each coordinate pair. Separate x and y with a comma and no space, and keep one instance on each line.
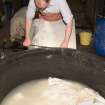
(100,37)
(85,38)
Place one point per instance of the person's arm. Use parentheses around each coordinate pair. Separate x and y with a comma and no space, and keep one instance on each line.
(68,31)
(29,16)
(28,27)
(68,19)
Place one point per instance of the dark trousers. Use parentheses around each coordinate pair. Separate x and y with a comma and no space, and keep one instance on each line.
(8,8)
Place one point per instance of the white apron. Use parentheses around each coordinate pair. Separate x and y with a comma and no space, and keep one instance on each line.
(50,34)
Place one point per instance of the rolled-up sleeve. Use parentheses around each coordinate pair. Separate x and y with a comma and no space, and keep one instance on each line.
(65,11)
(31,10)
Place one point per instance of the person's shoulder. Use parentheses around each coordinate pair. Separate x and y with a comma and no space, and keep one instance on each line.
(32,0)
(57,2)
(60,1)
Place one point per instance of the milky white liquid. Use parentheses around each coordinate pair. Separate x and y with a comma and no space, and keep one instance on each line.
(51,92)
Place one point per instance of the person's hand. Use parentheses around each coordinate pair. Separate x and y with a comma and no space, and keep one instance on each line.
(27,42)
(64,44)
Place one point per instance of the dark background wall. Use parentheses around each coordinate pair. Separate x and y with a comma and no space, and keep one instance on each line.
(84,12)
(100,7)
